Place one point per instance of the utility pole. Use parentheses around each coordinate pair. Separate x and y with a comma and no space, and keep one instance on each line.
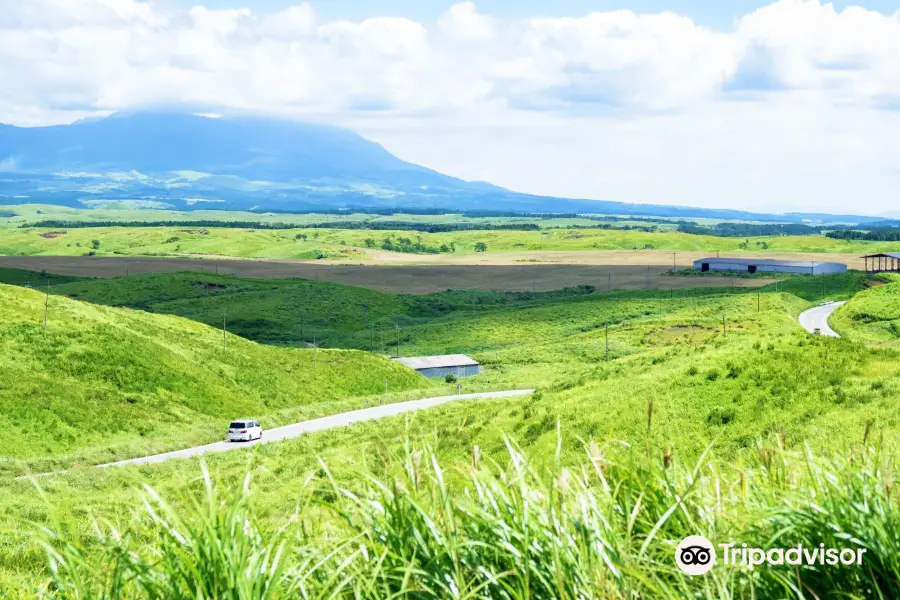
(224,338)
(673,262)
(366,305)
(607,342)
(47,306)
(398,340)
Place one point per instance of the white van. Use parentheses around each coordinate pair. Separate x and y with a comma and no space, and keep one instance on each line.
(244,431)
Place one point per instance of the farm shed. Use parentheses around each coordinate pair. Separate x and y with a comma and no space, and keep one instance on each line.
(767,265)
(459,365)
(887,261)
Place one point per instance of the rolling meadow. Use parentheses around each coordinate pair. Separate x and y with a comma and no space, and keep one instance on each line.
(741,431)
(656,413)
(370,237)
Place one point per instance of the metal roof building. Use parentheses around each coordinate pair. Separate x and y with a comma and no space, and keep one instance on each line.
(886,261)
(459,365)
(764,265)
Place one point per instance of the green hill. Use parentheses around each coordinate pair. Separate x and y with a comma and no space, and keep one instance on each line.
(675,385)
(104,383)
(872,316)
(294,311)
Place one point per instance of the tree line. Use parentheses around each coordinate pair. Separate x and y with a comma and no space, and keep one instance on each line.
(751,229)
(878,234)
(367,225)
(375,226)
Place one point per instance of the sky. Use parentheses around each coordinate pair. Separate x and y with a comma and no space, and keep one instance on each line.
(780,106)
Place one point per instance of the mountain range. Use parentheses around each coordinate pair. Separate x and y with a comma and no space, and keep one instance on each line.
(186,161)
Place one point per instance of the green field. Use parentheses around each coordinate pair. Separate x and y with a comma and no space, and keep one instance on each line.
(357,244)
(614,440)
(350,244)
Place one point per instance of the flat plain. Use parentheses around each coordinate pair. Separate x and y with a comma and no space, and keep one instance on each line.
(555,273)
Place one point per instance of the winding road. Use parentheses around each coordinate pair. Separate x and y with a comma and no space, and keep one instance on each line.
(817,318)
(331,422)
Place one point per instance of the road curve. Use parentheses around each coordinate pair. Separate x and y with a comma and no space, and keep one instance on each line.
(296,430)
(817,318)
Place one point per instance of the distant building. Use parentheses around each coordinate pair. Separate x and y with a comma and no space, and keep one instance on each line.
(766,265)
(459,365)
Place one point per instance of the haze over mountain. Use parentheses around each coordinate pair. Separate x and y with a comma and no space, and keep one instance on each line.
(173,160)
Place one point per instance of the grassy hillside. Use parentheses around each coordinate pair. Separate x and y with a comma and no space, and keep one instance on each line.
(103,383)
(757,393)
(295,311)
(350,244)
(34,279)
(872,316)
(523,335)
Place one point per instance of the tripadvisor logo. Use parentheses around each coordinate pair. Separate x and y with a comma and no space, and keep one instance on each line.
(696,555)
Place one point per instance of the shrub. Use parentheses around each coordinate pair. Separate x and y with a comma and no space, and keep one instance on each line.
(450,378)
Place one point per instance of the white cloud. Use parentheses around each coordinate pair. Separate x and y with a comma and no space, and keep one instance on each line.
(294,21)
(218,22)
(463,22)
(796,104)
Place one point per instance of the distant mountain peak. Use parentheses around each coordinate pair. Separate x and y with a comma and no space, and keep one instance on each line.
(251,161)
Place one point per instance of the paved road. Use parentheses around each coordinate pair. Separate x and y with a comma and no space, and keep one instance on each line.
(818,318)
(341,420)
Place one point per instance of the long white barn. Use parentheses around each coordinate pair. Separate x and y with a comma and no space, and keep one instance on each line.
(458,365)
(764,265)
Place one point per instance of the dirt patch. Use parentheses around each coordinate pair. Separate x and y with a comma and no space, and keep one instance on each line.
(53,234)
(666,258)
(409,279)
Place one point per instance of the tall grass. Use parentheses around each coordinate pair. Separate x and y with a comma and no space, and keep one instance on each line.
(606,528)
